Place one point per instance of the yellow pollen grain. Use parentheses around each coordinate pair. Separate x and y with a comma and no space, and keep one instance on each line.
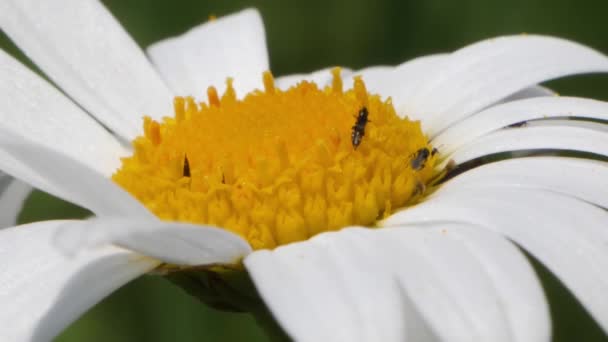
(279,166)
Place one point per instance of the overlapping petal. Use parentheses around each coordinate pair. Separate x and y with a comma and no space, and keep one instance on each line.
(85,51)
(579,178)
(561,137)
(67,178)
(566,234)
(353,285)
(42,290)
(208,54)
(171,242)
(53,271)
(13,194)
(483,73)
(533,91)
(34,110)
(500,116)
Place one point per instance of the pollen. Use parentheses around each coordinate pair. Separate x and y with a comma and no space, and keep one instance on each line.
(280,166)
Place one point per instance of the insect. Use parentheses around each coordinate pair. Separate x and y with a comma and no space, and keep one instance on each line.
(420,157)
(359,128)
(186,172)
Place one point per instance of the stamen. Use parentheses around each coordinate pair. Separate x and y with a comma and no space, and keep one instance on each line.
(360,91)
(152,130)
(179,106)
(268,82)
(279,166)
(229,94)
(212,97)
(336,82)
(191,108)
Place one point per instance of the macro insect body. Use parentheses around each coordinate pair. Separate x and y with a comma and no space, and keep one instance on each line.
(420,157)
(359,128)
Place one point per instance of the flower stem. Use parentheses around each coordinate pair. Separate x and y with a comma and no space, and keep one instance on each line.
(228,290)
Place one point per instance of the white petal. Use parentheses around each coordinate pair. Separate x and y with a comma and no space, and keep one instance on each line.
(349,286)
(321,290)
(171,242)
(321,78)
(558,122)
(400,82)
(494,118)
(68,178)
(13,194)
(480,301)
(32,108)
(409,75)
(580,178)
(231,46)
(393,82)
(84,50)
(387,81)
(539,137)
(533,91)
(567,235)
(519,290)
(23,172)
(483,73)
(377,79)
(42,291)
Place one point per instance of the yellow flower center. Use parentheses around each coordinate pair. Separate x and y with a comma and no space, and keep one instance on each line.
(279,166)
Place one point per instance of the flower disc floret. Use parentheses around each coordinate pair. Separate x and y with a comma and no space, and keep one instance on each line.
(279,166)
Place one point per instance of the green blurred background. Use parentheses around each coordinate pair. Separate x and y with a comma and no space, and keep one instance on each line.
(302,37)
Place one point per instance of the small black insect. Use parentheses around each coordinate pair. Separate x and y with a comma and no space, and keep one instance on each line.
(186,172)
(419,158)
(359,128)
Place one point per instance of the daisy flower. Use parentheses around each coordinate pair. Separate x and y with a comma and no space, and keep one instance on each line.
(348,198)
